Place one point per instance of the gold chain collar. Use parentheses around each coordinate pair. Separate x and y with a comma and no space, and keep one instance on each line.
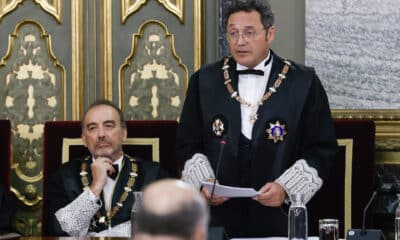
(235,95)
(128,188)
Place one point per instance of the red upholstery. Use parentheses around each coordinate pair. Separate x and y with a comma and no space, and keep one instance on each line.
(329,201)
(5,151)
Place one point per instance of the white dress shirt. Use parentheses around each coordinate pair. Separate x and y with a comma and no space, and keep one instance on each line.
(252,88)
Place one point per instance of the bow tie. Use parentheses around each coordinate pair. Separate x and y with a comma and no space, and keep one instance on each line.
(115,174)
(251,71)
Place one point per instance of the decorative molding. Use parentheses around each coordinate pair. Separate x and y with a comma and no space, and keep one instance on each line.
(53,8)
(29,196)
(33,92)
(198,34)
(377,114)
(153,142)
(76,59)
(176,7)
(7,7)
(106,52)
(387,124)
(130,6)
(152,75)
(348,144)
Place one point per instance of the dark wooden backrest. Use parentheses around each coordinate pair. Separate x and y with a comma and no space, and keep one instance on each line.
(351,182)
(5,151)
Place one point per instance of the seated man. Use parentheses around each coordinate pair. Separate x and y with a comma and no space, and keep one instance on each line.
(89,195)
(171,209)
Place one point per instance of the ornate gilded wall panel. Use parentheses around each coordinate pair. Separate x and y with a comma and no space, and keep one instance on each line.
(131,6)
(53,7)
(7,6)
(153,78)
(151,36)
(32,93)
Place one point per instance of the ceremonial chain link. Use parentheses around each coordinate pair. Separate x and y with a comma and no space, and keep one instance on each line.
(128,188)
(234,94)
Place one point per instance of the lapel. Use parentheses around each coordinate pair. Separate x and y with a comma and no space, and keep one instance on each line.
(262,111)
(121,181)
(233,110)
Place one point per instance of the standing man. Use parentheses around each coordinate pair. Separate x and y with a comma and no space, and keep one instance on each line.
(171,209)
(92,194)
(280,138)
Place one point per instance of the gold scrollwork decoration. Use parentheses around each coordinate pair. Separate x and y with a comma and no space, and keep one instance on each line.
(8,6)
(130,6)
(53,8)
(153,78)
(42,77)
(26,178)
(29,197)
(176,7)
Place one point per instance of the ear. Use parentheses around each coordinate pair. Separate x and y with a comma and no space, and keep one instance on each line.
(271,34)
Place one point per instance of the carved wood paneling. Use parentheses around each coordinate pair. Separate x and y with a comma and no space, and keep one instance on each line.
(131,6)
(153,78)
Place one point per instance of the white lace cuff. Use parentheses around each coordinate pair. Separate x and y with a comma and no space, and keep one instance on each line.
(196,170)
(75,218)
(300,178)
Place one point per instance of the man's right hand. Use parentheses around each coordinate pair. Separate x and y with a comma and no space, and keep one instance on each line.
(101,168)
(216,200)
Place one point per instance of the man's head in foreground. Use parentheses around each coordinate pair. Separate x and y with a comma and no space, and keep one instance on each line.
(171,209)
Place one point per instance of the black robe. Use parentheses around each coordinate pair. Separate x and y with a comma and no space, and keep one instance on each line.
(65,186)
(300,103)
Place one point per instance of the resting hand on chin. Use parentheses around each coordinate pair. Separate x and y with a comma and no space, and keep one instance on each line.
(101,168)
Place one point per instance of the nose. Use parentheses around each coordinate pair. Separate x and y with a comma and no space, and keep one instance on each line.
(100,132)
(241,39)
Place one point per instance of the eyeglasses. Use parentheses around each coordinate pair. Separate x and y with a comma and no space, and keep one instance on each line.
(247,35)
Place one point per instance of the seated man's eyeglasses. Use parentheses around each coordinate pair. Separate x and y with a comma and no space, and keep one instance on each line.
(247,35)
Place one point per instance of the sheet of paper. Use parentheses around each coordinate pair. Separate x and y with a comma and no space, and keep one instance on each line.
(231,192)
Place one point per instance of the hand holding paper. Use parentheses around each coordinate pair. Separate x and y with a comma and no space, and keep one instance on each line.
(230,192)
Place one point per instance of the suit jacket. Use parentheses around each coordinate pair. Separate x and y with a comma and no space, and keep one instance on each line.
(65,186)
(300,103)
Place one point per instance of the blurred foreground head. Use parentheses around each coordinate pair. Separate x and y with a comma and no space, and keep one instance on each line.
(171,209)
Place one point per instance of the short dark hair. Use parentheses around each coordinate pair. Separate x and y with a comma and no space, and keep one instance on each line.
(261,6)
(107,103)
(179,223)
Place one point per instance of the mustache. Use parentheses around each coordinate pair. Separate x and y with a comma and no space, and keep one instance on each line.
(102,141)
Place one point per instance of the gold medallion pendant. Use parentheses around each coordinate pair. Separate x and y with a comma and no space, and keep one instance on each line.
(276,131)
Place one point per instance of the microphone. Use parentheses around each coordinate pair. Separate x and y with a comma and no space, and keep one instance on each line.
(365,212)
(219,127)
(365,234)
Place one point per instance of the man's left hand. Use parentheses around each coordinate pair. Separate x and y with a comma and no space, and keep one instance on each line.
(271,195)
